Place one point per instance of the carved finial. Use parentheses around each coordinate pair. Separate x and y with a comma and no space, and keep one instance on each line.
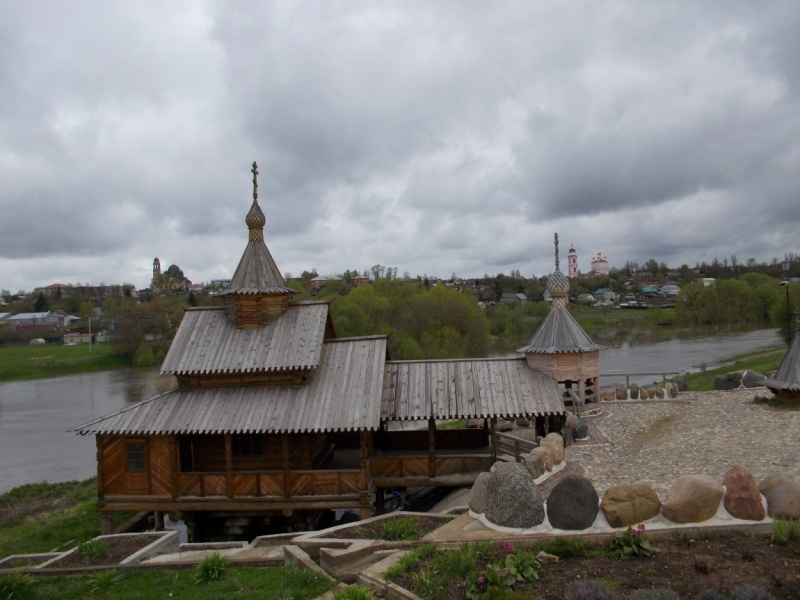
(254,171)
(556,243)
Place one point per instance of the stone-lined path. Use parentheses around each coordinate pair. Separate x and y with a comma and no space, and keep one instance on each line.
(702,433)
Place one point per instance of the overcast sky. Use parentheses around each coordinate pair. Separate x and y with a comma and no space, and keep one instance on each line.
(436,137)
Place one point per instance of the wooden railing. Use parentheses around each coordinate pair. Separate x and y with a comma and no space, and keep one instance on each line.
(514,446)
(270,483)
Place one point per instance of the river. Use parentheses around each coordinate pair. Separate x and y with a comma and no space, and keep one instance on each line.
(35,415)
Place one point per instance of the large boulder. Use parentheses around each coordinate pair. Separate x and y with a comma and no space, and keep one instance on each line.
(477,497)
(505,425)
(622,393)
(474,424)
(659,391)
(692,499)
(742,498)
(572,503)
(557,450)
(634,391)
(580,429)
(682,385)
(751,379)
(783,496)
(721,382)
(522,422)
(735,375)
(609,394)
(651,393)
(512,499)
(546,455)
(625,505)
(671,389)
(534,462)
(569,438)
(554,437)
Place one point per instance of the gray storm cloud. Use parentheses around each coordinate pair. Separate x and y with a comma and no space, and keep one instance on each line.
(437,137)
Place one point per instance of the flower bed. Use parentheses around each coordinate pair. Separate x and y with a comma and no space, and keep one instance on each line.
(686,566)
(103,551)
(393,528)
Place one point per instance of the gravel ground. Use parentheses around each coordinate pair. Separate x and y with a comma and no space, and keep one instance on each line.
(707,434)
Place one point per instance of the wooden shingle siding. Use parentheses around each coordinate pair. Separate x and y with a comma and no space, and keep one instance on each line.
(161,450)
(114,468)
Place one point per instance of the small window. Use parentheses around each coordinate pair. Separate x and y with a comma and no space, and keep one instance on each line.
(247,445)
(136,457)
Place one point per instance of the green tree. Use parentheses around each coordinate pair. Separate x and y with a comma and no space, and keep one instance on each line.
(41,303)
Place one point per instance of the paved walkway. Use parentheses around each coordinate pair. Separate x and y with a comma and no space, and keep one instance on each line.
(703,433)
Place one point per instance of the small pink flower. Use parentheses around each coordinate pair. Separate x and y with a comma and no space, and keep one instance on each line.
(641,527)
(481,580)
(507,548)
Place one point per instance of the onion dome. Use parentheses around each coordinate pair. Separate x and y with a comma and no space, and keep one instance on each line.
(558,285)
(255,219)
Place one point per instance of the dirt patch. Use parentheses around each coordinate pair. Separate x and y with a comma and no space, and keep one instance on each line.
(118,550)
(655,430)
(374,530)
(687,567)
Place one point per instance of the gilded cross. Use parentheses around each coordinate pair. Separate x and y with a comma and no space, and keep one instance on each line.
(254,171)
(556,243)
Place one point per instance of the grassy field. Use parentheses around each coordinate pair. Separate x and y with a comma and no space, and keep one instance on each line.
(240,582)
(763,361)
(44,516)
(31,362)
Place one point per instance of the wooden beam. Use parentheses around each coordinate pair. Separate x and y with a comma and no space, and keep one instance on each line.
(276,504)
(493,432)
(229,464)
(99,442)
(454,480)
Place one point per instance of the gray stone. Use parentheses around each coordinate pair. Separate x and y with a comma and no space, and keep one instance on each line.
(609,394)
(659,391)
(522,422)
(721,382)
(682,385)
(554,437)
(622,393)
(634,391)
(751,379)
(735,375)
(546,454)
(567,431)
(671,389)
(580,429)
(534,462)
(573,503)
(692,499)
(783,496)
(474,424)
(651,393)
(505,425)
(512,499)
(477,497)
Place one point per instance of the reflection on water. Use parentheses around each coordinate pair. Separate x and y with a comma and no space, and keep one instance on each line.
(34,417)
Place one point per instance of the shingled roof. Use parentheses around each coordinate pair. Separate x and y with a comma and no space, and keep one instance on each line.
(207,342)
(560,332)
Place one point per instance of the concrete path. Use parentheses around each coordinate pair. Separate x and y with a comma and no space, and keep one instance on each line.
(706,435)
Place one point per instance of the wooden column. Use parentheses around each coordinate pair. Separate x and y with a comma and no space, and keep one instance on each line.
(431,447)
(174,466)
(363,456)
(99,442)
(493,433)
(582,389)
(229,464)
(486,431)
(380,507)
(285,449)
(158,520)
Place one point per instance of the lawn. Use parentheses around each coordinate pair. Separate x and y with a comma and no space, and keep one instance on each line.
(239,582)
(763,361)
(41,517)
(31,362)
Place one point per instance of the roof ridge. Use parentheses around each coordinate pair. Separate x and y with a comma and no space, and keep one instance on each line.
(380,336)
(453,360)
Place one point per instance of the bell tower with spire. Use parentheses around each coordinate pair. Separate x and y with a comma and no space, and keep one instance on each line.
(572,262)
(257,294)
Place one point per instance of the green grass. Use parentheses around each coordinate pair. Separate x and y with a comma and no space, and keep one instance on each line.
(212,568)
(775,402)
(240,583)
(409,560)
(785,530)
(401,528)
(43,516)
(455,424)
(31,362)
(564,547)
(763,361)
(353,592)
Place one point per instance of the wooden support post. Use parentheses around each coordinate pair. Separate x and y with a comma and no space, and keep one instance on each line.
(582,389)
(158,520)
(100,492)
(106,524)
(364,463)
(493,433)
(229,465)
(431,447)
(486,432)
(174,466)
(628,381)
(380,507)
(516,451)
(285,449)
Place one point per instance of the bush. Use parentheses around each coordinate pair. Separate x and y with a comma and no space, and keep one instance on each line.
(93,549)
(565,547)
(212,568)
(103,581)
(144,356)
(785,530)
(400,529)
(354,592)
(588,590)
(17,586)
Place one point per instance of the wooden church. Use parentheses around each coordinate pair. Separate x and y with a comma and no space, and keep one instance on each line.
(275,415)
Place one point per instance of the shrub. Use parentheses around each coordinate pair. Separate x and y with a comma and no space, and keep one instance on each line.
(629,543)
(565,547)
(588,590)
(93,549)
(17,586)
(400,529)
(456,563)
(102,581)
(514,567)
(212,568)
(427,581)
(353,592)
(748,592)
(144,356)
(785,530)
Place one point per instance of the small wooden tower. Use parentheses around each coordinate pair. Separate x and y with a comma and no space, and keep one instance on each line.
(258,293)
(786,383)
(560,348)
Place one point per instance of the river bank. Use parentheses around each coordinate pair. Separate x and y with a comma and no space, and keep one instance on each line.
(53,360)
